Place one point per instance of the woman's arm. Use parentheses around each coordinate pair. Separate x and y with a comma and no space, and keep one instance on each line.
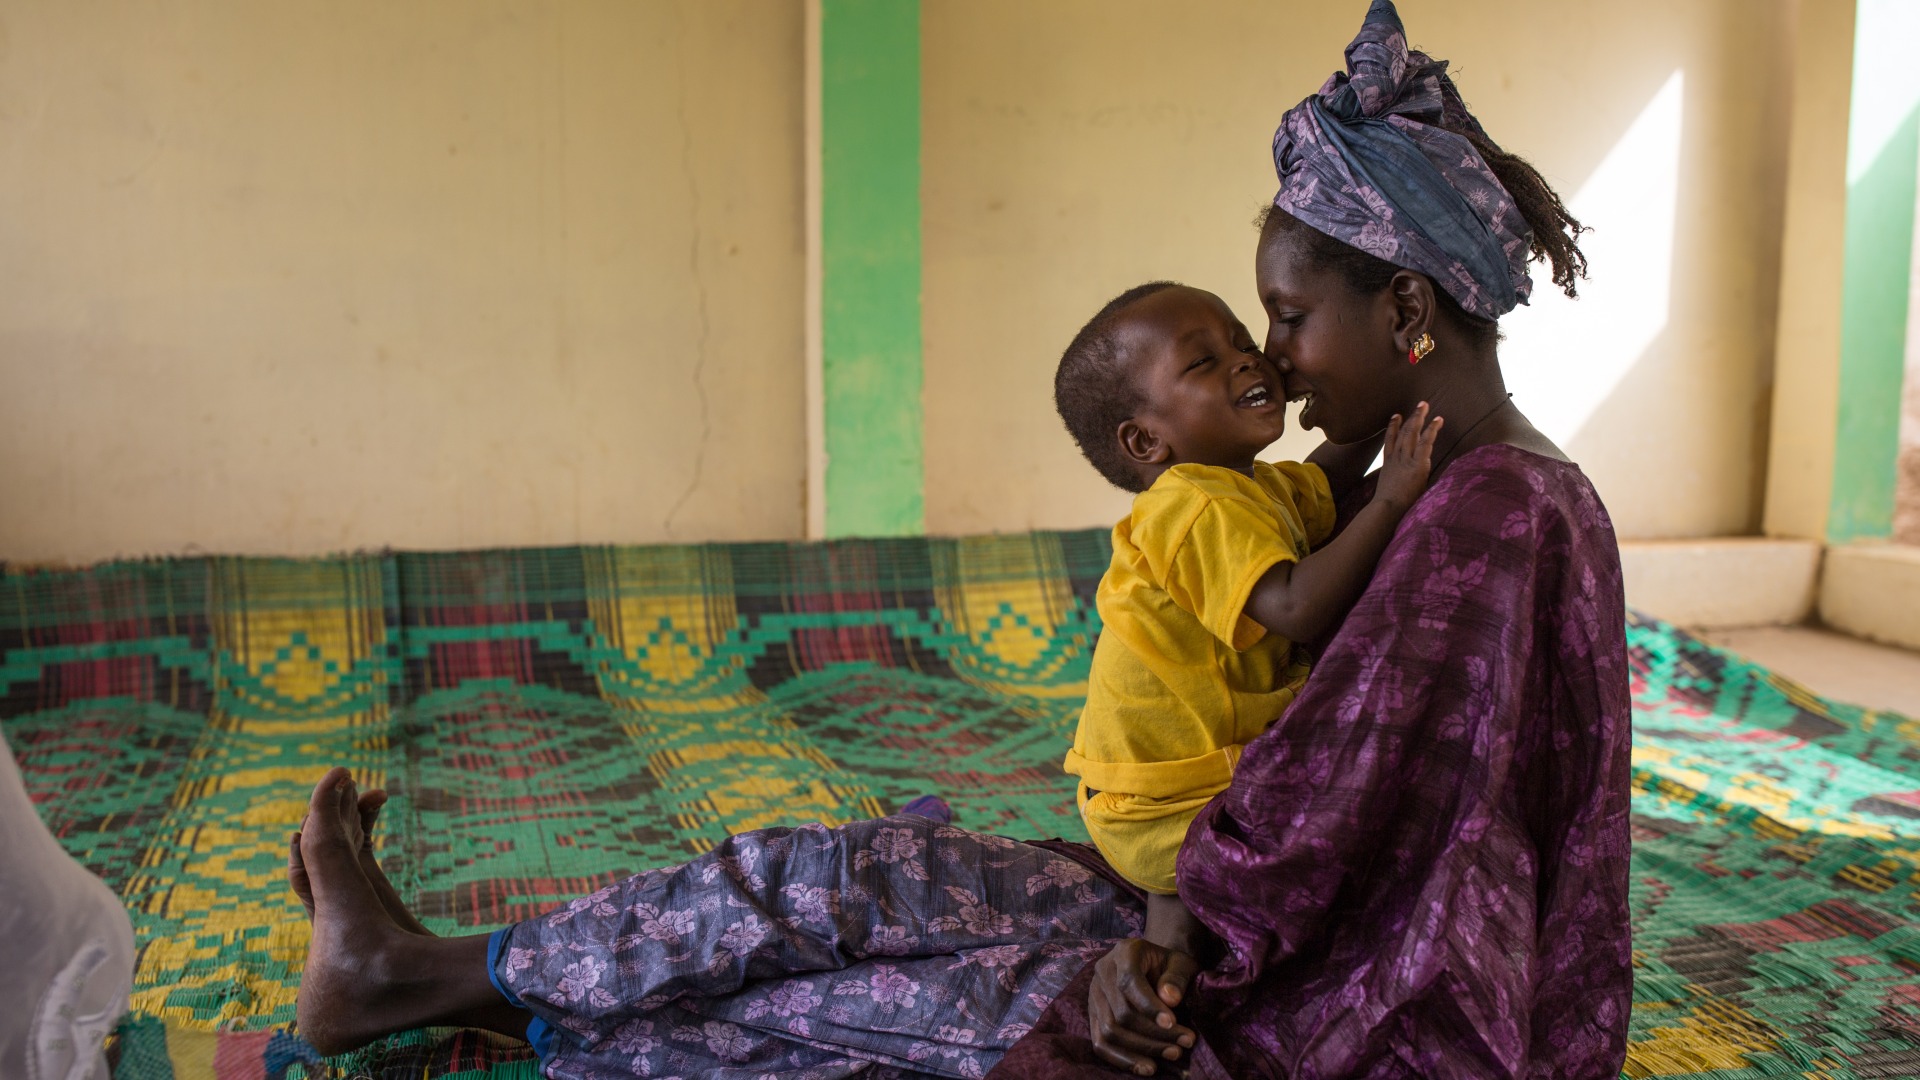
(1301,600)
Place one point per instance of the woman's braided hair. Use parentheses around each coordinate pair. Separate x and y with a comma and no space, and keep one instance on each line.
(1556,233)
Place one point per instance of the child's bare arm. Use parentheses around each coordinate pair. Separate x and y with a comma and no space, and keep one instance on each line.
(1300,601)
(1171,925)
(1345,466)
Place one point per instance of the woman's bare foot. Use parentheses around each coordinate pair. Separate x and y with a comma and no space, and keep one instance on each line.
(351,992)
(366,975)
(370,805)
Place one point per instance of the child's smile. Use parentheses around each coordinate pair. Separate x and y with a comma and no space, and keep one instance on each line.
(1258,396)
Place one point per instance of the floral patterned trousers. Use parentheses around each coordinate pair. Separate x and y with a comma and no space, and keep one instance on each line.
(895,947)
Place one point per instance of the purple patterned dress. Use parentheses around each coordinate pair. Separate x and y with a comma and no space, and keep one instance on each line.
(1419,871)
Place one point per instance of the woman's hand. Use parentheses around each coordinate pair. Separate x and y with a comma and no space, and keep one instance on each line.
(1407,458)
(1130,1006)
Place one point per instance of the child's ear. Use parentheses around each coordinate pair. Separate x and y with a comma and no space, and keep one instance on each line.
(1141,445)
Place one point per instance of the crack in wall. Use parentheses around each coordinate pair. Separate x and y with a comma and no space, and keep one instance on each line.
(700,297)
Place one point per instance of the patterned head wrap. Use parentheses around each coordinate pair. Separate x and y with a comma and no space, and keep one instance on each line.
(1366,162)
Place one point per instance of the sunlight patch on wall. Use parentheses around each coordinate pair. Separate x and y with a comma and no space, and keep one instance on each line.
(1886,87)
(1562,357)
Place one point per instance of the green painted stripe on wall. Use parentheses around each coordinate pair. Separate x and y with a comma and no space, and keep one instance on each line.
(1873,338)
(870,267)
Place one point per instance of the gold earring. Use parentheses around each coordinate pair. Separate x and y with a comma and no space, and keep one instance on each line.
(1420,349)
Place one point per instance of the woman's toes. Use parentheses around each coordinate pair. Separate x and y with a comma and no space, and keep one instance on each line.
(370,805)
(297,875)
(347,804)
(325,839)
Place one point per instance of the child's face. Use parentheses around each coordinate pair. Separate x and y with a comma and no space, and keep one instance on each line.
(1211,398)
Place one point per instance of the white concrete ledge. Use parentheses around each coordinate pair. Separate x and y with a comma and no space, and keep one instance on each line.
(1873,591)
(1722,582)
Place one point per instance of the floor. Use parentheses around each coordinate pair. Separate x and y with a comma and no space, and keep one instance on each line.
(1832,665)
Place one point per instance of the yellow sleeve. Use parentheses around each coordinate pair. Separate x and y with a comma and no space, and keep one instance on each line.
(1213,570)
(1312,498)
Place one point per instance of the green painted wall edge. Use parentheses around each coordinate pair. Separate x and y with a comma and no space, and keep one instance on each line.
(870,267)
(1873,339)
(1883,155)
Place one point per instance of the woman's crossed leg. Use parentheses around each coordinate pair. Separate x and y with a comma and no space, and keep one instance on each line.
(900,940)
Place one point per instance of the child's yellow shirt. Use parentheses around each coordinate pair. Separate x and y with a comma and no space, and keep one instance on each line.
(1181,678)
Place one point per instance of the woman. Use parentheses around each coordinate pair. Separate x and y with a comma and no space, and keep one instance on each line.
(1420,870)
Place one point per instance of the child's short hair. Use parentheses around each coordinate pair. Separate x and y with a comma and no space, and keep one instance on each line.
(1094,393)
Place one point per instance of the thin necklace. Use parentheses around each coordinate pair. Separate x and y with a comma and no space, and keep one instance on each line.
(1455,445)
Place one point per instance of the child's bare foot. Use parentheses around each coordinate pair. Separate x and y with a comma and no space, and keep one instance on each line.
(370,805)
(353,990)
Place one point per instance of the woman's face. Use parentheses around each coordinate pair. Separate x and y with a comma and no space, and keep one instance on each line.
(1333,347)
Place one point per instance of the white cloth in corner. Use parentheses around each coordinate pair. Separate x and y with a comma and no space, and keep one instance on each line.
(68,946)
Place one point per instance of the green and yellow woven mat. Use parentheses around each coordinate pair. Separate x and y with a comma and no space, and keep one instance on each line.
(548,720)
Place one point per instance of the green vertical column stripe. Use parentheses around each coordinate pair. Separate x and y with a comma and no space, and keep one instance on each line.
(1878,266)
(1873,339)
(870,266)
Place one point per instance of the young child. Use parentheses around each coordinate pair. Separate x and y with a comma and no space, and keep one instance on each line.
(1217,570)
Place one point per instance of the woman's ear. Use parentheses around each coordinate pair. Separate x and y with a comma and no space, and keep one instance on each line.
(1414,309)
(1141,445)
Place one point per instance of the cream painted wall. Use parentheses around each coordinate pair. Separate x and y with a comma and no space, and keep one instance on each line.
(304,277)
(1074,148)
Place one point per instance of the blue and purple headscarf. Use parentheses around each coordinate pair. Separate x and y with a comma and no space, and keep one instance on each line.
(1367,162)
